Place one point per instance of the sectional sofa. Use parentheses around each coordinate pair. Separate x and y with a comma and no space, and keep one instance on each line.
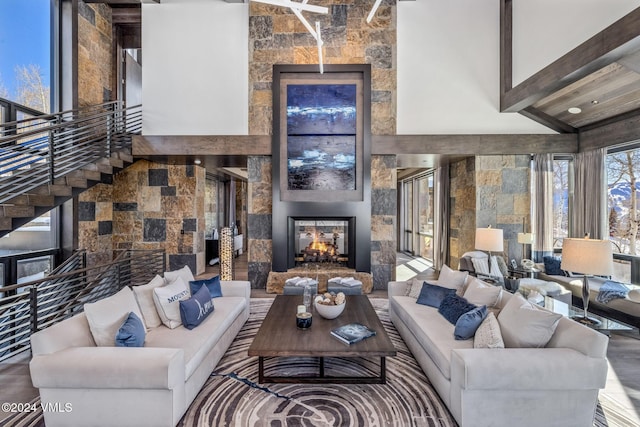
(151,385)
(556,385)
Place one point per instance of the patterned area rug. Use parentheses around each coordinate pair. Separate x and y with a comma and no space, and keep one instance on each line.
(231,397)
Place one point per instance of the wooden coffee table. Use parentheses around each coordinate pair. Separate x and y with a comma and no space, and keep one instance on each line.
(278,336)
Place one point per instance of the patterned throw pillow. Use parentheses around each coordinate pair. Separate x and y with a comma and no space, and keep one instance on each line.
(167,299)
(488,334)
(194,310)
(454,306)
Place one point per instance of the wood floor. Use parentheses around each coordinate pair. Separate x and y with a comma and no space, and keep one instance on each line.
(623,380)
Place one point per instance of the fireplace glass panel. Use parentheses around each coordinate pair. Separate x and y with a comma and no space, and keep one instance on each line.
(321,241)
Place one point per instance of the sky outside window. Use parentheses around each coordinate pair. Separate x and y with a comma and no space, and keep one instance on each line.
(25,44)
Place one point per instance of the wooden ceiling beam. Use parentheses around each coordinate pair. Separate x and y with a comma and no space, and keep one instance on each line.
(620,39)
(547,120)
(126,15)
(481,144)
(203,145)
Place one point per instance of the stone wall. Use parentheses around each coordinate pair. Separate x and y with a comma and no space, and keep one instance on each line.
(384,211)
(276,36)
(489,190)
(503,197)
(463,209)
(259,202)
(95,60)
(149,206)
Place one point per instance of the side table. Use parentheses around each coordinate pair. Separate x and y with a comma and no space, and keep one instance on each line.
(522,273)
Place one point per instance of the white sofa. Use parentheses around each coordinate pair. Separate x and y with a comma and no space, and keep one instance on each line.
(552,386)
(124,386)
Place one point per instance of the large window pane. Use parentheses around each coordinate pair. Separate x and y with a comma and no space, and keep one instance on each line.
(425,216)
(561,194)
(25,32)
(623,173)
(408,216)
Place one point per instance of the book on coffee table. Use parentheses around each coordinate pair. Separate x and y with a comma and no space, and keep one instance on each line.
(352,333)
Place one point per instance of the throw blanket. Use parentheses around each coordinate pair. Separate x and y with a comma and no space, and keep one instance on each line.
(611,290)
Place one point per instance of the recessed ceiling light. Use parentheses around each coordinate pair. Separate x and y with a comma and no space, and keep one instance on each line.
(575,110)
(197,161)
(595,101)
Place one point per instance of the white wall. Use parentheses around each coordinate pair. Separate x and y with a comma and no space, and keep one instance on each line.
(195,68)
(544,30)
(449,58)
(449,68)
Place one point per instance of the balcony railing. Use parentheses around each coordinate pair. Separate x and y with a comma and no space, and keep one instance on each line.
(30,307)
(37,150)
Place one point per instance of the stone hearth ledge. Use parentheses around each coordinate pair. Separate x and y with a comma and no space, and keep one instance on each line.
(275,281)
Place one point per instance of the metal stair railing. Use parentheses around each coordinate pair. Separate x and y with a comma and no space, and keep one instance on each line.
(37,150)
(30,307)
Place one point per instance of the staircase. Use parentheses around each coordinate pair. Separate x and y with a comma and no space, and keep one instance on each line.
(48,159)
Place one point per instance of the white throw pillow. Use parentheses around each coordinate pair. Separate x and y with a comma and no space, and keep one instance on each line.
(480,293)
(184,273)
(413,291)
(452,278)
(107,315)
(488,334)
(144,296)
(495,269)
(525,325)
(167,299)
(481,266)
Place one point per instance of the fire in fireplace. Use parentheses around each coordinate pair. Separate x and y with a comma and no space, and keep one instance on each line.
(321,241)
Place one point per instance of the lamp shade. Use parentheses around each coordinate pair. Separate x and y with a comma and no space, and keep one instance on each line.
(587,256)
(489,239)
(525,238)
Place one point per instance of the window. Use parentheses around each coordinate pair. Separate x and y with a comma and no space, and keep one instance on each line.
(562,193)
(25,31)
(418,215)
(623,176)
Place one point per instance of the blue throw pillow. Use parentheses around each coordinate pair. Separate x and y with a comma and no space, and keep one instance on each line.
(469,322)
(194,310)
(432,295)
(131,333)
(213,284)
(552,266)
(454,306)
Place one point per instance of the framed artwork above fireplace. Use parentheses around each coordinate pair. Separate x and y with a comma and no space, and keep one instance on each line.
(321,138)
(321,166)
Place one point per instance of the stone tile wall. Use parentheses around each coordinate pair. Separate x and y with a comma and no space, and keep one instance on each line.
(276,36)
(489,190)
(95,61)
(259,201)
(384,211)
(149,206)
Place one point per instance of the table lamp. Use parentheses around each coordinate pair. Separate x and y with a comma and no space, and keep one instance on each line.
(490,240)
(587,257)
(525,239)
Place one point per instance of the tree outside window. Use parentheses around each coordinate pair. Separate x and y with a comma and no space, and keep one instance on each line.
(623,173)
(561,193)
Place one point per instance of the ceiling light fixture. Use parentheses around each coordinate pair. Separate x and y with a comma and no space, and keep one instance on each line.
(595,101)
(574,110)
(197,161)
(320,43)
(373,10)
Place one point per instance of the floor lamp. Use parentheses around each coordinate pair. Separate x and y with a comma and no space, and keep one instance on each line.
(490,240)
(588,257)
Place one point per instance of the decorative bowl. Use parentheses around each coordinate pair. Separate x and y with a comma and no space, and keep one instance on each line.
(329,311)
